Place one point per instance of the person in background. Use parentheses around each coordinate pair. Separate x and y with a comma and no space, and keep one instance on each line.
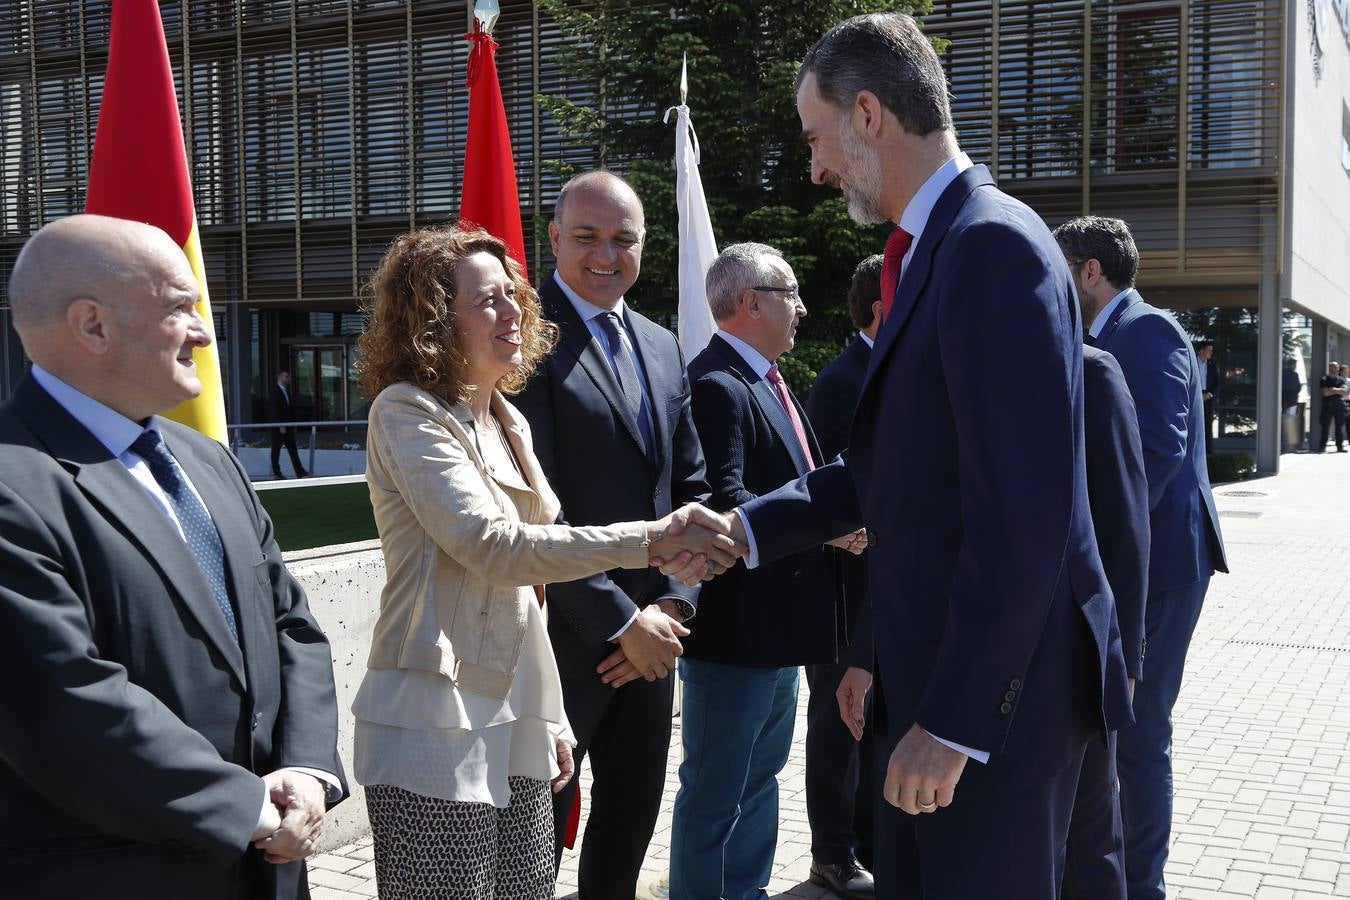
(1209,385)
(461,733)
(1186,544)
(1290,384)
(167,698)
(840,787)
(1334,389)
(284,411)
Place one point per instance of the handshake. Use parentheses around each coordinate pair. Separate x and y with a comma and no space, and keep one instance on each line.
(695,544)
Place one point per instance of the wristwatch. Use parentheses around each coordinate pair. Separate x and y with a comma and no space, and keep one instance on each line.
(686,608)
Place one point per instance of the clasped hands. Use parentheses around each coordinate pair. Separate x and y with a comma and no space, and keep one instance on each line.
(293,817)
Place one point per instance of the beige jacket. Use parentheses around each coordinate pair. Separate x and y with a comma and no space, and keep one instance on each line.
(463,544)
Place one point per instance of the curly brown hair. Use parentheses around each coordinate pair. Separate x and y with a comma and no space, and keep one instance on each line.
(411,336)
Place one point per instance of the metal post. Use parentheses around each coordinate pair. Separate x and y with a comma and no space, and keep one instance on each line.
(1270,341)
(313,437)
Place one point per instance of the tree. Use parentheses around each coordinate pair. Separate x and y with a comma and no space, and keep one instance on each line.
(743,60)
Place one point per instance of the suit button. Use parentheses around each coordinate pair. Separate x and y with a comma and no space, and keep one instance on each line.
(797,574)
(657,493)
(1015,684)
(257,717)
(1005,708)
(1010,696)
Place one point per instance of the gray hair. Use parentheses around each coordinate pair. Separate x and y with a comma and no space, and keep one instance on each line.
(736,269)
(887,54)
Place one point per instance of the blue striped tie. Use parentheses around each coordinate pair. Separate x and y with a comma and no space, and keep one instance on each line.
(198,530)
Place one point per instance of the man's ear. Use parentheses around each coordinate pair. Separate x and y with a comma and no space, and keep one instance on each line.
(867,114)
(750,302)
(88,323)
(553,235)
(876,309)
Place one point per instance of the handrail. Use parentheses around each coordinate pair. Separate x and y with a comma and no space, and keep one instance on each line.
(313,426)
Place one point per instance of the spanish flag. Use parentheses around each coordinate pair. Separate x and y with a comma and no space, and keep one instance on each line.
(139,171)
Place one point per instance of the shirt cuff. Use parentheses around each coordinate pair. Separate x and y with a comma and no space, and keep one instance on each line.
(980,756)
(332,787)
(618,634)
(751,558)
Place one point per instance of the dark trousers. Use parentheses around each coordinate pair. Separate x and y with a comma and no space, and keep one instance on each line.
(1333,415)
(840,787)
(625,734)
(1144,754)
(1094,866)
(736,725)
(288,438)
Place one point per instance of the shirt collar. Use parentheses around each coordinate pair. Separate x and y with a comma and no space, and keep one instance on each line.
(1099,323)
(915,217)
(867,340)
(753,358)
(588,310)
(112,429)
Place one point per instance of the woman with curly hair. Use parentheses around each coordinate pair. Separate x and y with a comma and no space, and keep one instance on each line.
(460,729)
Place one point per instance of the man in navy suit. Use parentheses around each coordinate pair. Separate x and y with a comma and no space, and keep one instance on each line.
(840,789)
(754,627)
(1186,548)
(1118,494)
(997,647)
(611,420)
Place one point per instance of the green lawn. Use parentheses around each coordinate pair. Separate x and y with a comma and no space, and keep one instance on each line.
(306,517)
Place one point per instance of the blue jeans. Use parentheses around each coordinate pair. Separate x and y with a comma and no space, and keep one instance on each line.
(737,729)
(1144,750)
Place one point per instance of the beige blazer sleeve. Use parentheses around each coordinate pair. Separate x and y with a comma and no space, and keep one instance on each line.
(444,484)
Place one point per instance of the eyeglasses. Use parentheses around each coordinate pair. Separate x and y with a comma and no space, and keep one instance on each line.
(792,293)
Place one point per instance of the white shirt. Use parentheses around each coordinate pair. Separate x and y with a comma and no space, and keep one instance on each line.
(117,433)
(867,340)
(589,313)
(914,220)
(1099,323)
(753,358)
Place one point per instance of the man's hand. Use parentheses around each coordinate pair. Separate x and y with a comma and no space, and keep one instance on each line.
(615,670)
(852,697)
(299,799)
(700,532)
(691,566)
(854,542)
(922,773)
(652,643)
(565,766)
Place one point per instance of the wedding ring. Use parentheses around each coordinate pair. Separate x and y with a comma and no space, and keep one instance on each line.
(928,807)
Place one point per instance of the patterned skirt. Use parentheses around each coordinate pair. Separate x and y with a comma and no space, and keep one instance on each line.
(431,849)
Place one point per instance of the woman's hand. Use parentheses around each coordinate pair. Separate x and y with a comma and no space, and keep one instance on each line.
(565,766)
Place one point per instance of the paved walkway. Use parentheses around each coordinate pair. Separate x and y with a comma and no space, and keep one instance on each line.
(1263,724)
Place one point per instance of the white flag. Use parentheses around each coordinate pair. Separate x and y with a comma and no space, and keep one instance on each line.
(697,247)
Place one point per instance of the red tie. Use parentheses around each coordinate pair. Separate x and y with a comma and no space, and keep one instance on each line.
(897,245)
(780,388)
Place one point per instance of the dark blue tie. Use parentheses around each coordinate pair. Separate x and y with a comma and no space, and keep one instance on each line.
(628,378)
(199,531)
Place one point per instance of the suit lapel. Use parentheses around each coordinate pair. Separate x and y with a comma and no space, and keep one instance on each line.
(764,396)
(122,499)
(577,340)
(916,274)
(1104,339)
(658,382)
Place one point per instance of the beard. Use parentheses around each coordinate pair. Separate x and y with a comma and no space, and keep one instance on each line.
(863,177)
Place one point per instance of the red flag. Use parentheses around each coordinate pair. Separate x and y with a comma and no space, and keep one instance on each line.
(139,170)
(489,197)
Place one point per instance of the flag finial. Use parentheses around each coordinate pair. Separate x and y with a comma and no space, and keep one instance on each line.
(486,13)
(684,79)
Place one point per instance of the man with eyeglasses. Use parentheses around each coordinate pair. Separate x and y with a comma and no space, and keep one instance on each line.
(754,628)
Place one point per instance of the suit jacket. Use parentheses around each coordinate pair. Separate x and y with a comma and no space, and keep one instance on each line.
(994,624)
(1164,379)
(133,727)
(591,451)
(282,411)
(787,612)
(1118,493)
(830,406)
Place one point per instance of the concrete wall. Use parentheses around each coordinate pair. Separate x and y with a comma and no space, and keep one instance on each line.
(344,583)
(1317,258)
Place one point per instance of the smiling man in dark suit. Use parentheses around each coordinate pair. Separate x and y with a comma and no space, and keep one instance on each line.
(612,426)
(997,647)
(168,726)
(1186,547)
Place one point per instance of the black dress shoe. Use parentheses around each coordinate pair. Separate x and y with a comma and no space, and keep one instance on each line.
(849,880)
(277,476)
